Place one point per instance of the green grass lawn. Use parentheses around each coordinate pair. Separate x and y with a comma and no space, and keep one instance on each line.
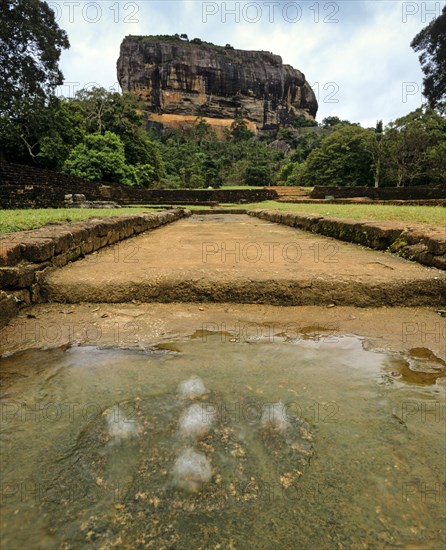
(18,220)
(225,187)
(435,215)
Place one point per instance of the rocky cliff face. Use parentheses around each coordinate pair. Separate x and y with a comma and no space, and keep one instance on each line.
(181,80)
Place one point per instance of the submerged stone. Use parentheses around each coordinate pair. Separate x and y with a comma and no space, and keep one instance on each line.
(192,388)
(191,470)
(275,417)
(196,421)
(119,426)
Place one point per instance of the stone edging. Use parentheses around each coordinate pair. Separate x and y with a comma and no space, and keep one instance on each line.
(26,255)
(418,242)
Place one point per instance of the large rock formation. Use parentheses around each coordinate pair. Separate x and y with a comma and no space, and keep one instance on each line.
(181,80)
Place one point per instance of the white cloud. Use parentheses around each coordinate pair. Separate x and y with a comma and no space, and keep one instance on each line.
(362,61)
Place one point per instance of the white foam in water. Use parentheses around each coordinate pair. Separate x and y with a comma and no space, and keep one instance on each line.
(275,417)
(191,470)
(196,421)
(119,426)
(191,388)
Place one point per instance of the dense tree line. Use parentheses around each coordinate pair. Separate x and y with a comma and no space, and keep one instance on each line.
(102,135)
(408,151)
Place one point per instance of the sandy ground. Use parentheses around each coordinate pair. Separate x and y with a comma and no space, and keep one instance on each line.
(240,259)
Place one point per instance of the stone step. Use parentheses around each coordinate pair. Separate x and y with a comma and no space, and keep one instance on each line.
(236,258)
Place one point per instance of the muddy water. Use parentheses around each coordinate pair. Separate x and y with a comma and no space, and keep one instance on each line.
(91,446)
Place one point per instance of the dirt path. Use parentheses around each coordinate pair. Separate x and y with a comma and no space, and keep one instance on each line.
(236,258)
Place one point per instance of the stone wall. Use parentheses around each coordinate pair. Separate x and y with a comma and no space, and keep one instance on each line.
(26,255)
(381,193)
(29,187)
(418,242)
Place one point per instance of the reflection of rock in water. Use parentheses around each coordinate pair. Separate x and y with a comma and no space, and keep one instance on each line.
(191,470)
(192,388)
(196,421)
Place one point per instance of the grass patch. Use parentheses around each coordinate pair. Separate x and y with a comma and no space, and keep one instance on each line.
(434,215)
(19,220)
(244,187)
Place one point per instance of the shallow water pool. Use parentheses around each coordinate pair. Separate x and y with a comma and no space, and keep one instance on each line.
(91,439)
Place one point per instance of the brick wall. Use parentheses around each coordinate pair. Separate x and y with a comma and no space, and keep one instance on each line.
(418,242)
(26,255)
(29,187)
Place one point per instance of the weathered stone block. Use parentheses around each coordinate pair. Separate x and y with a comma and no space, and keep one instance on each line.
(21,296)
(21,276)
(37,250)
(439,261)
(10,252)
(8,308)
(79,233)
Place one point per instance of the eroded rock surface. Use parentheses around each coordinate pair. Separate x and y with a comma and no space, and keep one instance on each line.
(181,80)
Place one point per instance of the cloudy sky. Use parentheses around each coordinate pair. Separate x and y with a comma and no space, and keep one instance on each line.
(355,53)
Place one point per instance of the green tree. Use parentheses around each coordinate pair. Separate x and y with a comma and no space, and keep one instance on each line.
(30,46)
(193,156)
(21,134)
(101,157)
(202,132)
(415,145)
(377,147)
(301,122)
(341,159)
(66,131)
(431,42)
(106,111)
(436,162)
(258,175)
(248,160)
(239,130)
(332,121)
